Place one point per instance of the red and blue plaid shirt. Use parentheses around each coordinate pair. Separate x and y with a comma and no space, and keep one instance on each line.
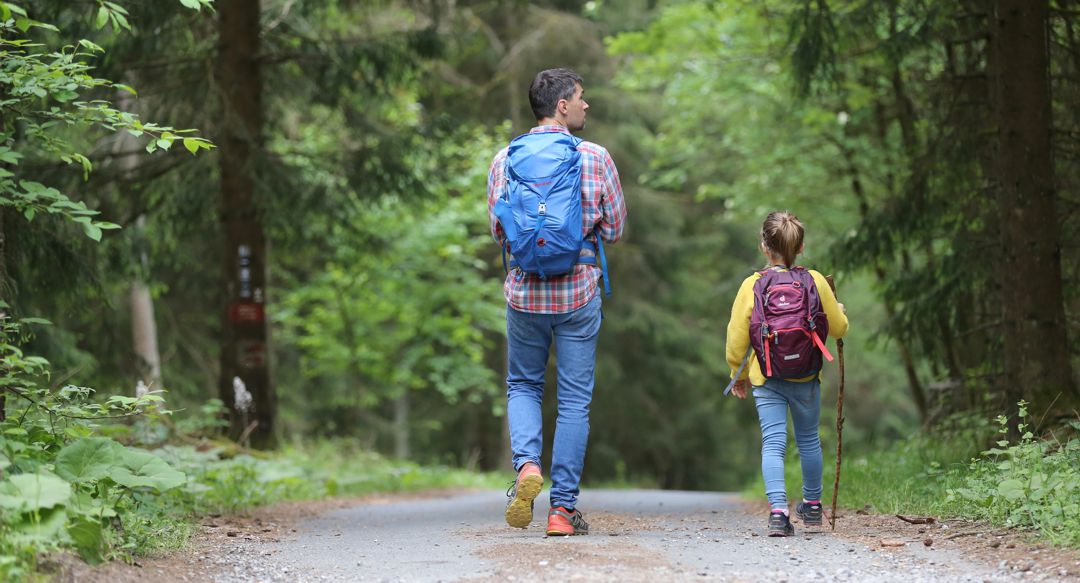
(602,206)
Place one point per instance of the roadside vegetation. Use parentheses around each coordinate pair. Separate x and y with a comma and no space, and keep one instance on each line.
(1031,483)
(114,478)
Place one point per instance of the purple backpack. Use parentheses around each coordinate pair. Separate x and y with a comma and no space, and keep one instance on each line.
(787,326)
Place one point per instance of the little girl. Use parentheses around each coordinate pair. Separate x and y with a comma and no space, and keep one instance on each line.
(775,395)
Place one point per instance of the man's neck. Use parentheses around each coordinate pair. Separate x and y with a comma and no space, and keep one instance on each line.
(550,121)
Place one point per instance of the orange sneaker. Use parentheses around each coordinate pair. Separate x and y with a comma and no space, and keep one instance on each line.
(563,522)
(522,493)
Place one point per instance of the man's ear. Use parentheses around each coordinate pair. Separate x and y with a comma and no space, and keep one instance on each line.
(563,106)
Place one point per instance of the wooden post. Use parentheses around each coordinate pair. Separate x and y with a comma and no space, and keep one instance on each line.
(839,417)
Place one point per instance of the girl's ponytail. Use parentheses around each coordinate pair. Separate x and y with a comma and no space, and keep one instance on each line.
(782,235)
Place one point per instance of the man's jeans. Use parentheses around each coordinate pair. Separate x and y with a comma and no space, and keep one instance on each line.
(529,339)
(773,399)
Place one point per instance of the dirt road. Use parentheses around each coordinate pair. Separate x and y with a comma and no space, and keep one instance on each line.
(637,535)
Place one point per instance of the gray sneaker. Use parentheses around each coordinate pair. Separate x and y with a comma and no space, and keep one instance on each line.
(780,524)
(809,514)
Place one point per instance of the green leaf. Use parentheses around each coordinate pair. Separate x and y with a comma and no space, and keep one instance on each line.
(143,469)
(192,145)
(88,460)
(23,24)
(87,536)
(27,492)
(132,91)
(93,47)
(192,4)
(46,527)
(9,156)
(1011,489)
(44,25)
(164,144)
(102,18)
(116,7)
(92,230)
(29,214)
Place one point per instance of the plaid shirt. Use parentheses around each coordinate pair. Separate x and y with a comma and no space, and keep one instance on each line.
(601,205)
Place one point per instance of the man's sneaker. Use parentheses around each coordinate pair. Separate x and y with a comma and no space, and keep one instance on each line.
(780,524)
(523,491)
(809,513)
(563,522)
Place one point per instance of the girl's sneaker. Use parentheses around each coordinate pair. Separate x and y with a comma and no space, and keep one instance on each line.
(809,513)
(780,524)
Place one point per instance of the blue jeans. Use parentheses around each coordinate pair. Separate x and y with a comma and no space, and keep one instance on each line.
(773,400)
(529,339)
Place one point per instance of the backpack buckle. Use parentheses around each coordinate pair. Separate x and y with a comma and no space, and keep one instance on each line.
(543,208)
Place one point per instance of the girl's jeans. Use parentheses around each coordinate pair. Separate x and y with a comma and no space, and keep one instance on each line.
(529,339)
(773,400)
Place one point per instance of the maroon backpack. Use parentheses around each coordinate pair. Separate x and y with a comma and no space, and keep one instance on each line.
(788,326)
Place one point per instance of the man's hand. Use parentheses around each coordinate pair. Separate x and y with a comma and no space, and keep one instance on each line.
(739,388)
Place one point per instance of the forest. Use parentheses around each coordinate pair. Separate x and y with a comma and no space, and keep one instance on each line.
(237,236)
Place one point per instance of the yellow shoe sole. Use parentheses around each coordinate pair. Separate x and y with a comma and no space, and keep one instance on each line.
(520,510)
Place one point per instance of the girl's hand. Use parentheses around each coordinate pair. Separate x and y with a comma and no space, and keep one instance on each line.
(843,310)
(739,388)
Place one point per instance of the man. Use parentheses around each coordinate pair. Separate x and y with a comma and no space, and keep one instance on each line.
(564,307)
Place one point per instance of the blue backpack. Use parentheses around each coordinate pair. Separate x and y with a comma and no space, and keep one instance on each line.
(540,210)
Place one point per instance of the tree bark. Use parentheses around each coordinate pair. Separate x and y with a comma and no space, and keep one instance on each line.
(401,426)
(144,333)
(245,337)
(5,296)
(143,325)
(1036,354)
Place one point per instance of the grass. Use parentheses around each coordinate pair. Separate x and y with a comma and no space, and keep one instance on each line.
(218,483)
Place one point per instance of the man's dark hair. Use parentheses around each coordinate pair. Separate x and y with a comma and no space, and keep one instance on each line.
(549,87)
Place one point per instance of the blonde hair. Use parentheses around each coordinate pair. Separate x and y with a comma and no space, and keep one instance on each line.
(782,235)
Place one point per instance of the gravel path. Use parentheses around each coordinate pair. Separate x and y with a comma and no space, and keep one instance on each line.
(637,535)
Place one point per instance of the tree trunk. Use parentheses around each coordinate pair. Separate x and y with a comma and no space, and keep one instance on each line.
(143,324)
(1036,354)
(244,351)
(144,332)
(5,296)
(401,426)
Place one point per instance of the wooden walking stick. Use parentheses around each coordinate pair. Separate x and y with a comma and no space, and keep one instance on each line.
(839,416)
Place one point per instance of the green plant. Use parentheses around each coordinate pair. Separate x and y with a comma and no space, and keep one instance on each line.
(59,485)
(41,94)
(1031,483)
